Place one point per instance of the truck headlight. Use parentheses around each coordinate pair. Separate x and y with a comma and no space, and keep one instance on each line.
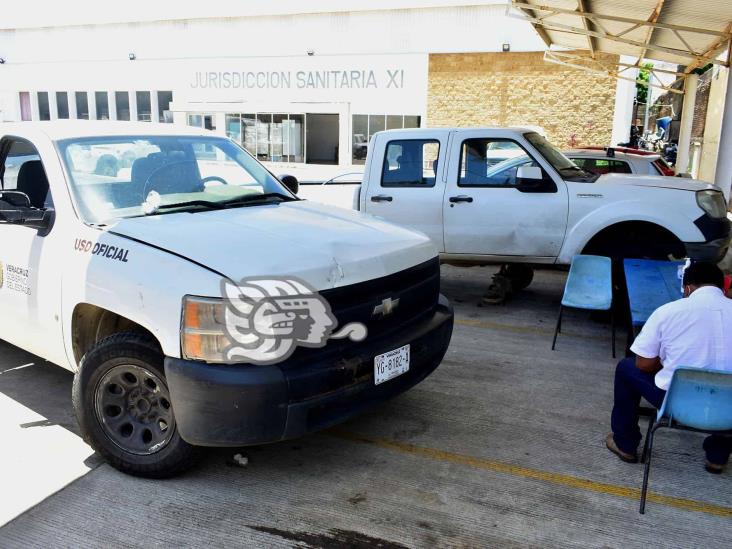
(203,333)
(712,202)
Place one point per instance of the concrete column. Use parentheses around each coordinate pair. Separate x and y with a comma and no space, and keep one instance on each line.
(52,105)
(112,105)
(133,105)
(154,111)
(220,120)
(624,96)
(344,135)
(71,95)
(687,120)
(35,114)
(92,99)
(696,148)
(723,173)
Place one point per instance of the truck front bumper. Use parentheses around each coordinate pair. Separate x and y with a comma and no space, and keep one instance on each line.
(241,404)
(718,235)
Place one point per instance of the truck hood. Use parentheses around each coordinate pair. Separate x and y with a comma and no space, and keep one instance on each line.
(322,245)
(665,182)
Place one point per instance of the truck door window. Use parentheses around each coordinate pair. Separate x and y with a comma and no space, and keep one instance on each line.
(491,162)
(410,163)
(23,171)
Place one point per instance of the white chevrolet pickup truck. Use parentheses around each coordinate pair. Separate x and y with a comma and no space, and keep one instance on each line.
(508,196)
(197,300)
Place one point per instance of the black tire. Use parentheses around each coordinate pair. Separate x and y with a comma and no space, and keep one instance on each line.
(521,276)
(636,242)
(123,408)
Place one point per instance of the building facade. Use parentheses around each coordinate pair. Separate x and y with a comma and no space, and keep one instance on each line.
(300,85)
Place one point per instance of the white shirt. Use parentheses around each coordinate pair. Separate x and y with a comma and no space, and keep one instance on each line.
(695,332)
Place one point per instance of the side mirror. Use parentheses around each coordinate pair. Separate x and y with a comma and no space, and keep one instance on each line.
(15,198)
(290,182)
(529,178)
(15,209)
(529,172)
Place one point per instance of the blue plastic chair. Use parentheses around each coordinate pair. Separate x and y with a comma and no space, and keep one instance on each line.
(698,399)
(589,286)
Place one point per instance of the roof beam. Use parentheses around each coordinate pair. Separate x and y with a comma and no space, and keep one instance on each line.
(713,51)
(537,27)
(653,18)
(591,16)
(577,62)
(702,58)
(586,24)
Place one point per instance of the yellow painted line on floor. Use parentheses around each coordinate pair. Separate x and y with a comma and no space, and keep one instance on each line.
(522,329)
(536,474)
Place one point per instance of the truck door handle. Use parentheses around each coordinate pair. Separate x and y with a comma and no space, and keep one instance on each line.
(461,198)
(381,198)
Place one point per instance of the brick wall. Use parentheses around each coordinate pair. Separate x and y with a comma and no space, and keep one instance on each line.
(510,89)
(702,103)
(673,103)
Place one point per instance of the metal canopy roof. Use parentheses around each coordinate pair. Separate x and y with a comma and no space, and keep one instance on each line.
(684,32)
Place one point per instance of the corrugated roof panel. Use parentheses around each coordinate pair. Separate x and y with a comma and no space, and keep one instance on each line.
(713,15)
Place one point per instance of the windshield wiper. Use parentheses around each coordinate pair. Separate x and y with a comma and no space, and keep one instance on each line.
(250,198)
(203,203)
(222,204)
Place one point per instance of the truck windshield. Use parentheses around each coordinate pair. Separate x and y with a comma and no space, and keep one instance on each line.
(118,177)
(564,166)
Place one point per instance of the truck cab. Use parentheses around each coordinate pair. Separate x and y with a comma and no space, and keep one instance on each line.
(197,300)
(507,195)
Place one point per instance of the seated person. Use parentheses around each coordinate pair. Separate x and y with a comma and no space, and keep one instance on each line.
(694,332)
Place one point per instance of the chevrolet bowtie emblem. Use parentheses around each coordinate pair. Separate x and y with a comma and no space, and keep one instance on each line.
(386,307)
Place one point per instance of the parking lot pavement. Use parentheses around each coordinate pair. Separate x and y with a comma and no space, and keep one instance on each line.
(41,450)
(501,446)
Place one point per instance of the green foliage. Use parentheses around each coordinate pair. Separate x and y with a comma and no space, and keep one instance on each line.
(641,90)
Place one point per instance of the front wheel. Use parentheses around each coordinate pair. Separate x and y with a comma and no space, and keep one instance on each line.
(123,407)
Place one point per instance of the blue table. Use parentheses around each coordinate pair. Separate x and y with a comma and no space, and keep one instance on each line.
(650,284)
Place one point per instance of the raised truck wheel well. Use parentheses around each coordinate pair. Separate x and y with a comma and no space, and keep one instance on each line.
(90,324)
(636,239)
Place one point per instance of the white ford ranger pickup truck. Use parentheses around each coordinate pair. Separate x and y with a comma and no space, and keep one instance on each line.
(493,195)
(197,300)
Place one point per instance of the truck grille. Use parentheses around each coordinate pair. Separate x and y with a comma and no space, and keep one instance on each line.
(317,371)
(416,289)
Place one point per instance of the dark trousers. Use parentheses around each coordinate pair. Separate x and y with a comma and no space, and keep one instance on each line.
(630,385)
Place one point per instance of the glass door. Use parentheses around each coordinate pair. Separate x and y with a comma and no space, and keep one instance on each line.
(270,137)
(279,139)
(264,121)
(295,151)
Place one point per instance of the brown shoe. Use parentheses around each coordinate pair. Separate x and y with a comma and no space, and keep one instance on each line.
(714,468)
(498,292)
(624,456)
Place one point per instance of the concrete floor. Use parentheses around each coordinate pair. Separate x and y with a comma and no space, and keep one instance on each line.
(501,446)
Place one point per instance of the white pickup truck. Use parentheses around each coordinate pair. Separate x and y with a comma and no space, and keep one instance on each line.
(196,298)
(492,195)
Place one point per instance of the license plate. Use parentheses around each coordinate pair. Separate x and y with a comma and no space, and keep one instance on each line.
(390,365)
